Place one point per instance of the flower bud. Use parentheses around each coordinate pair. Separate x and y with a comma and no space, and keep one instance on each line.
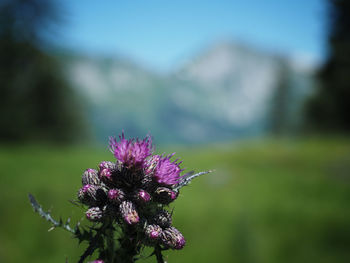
(129,213)
(94,214)
(87,194)
(106,165)
(163,218)
(97,261)
(142,196)
(153,232)
(165,195)
(116,195)
(172,238)
(90,176)
(92,194)
(106,174)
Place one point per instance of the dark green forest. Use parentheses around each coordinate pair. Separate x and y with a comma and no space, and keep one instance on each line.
(37,103)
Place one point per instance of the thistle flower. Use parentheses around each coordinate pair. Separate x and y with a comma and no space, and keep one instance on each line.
(87,194)
(167,172)
(94,214)
(129,196)
(116,195)
(106,165)
(163,218)
(153,232)
(90,176)
(142,196)
(105,174)
(129,213)
(172,238)
(92,195)
(132,153)
(164,195)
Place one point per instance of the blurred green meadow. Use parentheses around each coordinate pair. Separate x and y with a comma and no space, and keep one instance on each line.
(267,201)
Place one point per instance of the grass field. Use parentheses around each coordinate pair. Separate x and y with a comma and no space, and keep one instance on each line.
(268,201)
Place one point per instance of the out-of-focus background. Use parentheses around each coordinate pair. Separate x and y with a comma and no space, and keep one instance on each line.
(258,90)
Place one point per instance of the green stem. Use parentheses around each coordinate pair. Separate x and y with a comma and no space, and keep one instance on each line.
(110,244)
(129,247)
(158,253)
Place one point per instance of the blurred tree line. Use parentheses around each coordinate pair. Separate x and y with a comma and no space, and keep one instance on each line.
(328,110)
(37,102)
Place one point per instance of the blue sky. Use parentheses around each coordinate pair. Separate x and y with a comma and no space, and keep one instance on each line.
(163,33)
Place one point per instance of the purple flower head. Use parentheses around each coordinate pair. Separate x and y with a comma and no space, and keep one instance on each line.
(106,164)
(128,212)
(164,195)
(86,188)
(105,174)
(94,214)
(113,194)
(153,232)
(90,176)
(116,195)
(173,195)
(87,193)
(172,238)
(144,196)
(180,243)
(167,172)
(132,153)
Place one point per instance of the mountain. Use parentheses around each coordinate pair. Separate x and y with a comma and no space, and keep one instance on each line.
(225,92)
(118,94)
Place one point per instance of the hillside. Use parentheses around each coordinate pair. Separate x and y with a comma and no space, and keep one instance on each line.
(224,92)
